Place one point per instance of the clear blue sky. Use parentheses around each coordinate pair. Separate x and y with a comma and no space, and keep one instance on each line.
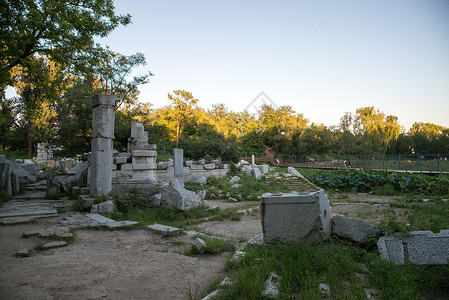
(323,58)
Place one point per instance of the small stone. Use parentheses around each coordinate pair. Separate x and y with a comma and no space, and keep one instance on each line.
(230,199)
(199,244)
(23,253)
(238,256)
(272,286)
(324,288)
(55,244)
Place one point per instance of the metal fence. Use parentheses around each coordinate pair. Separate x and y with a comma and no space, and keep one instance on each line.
(415,162)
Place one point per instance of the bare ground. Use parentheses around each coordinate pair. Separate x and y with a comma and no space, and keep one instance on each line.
(134,264)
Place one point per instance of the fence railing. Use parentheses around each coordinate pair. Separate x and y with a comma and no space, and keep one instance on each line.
(415,162)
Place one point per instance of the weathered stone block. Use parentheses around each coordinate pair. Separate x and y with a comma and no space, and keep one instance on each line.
(177,196)
(165,230)
(78,168)
(196,167)
(126,167)
(144,153)
(353,229)
(416,247)
(234,179)
(292,171)
(103,116)
(119,160)
(305,217)
(101,171)
(105,207)
(198,244)
(256,173)
(209,166)
(262,168)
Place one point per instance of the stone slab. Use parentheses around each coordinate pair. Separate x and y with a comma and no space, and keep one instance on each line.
(416,247)
(147,166)
(165,230)
(28,213)
(118,224)
(144,153)
(23,253)
(99,218)
(55,244)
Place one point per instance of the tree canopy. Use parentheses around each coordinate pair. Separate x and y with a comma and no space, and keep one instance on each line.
(62,30)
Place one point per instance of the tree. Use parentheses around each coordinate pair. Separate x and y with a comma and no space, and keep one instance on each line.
(377,128)
(6,121)
(112,72)
(182,104)
(39,92)
(62,30)
(75,118)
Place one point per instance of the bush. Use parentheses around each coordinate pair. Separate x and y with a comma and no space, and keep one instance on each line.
(132,198)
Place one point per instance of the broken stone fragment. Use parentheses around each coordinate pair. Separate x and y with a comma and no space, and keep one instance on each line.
(353,229)
(22,253)
(55,244)
(272,286)
(199,244)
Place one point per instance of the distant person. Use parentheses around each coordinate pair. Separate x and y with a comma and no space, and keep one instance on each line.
(344,163)
(349,164)
(277,160)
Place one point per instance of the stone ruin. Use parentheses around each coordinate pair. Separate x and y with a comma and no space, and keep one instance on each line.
(138,164)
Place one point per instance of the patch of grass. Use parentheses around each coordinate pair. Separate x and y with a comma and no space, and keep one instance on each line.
(408,281)
(384,190)
(80,205)
(302,267)
(193,186)
(101,199)
(432,215)
(166,216)
(3,199)
(392,222)
(132,198)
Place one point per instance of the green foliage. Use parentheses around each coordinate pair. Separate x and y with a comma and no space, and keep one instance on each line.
(302,267)
(210,143)
(3,199)
(168,216)
(80,205)
(367,180)
(63,30)
(384,190)
(408,281)
(392,223)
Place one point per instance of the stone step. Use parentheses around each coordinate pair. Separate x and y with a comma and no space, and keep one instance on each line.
(31,195)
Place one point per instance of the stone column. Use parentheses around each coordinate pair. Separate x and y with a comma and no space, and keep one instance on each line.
(102,137)
(178,162)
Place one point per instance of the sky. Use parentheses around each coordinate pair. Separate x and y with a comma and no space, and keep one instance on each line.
(323,58)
